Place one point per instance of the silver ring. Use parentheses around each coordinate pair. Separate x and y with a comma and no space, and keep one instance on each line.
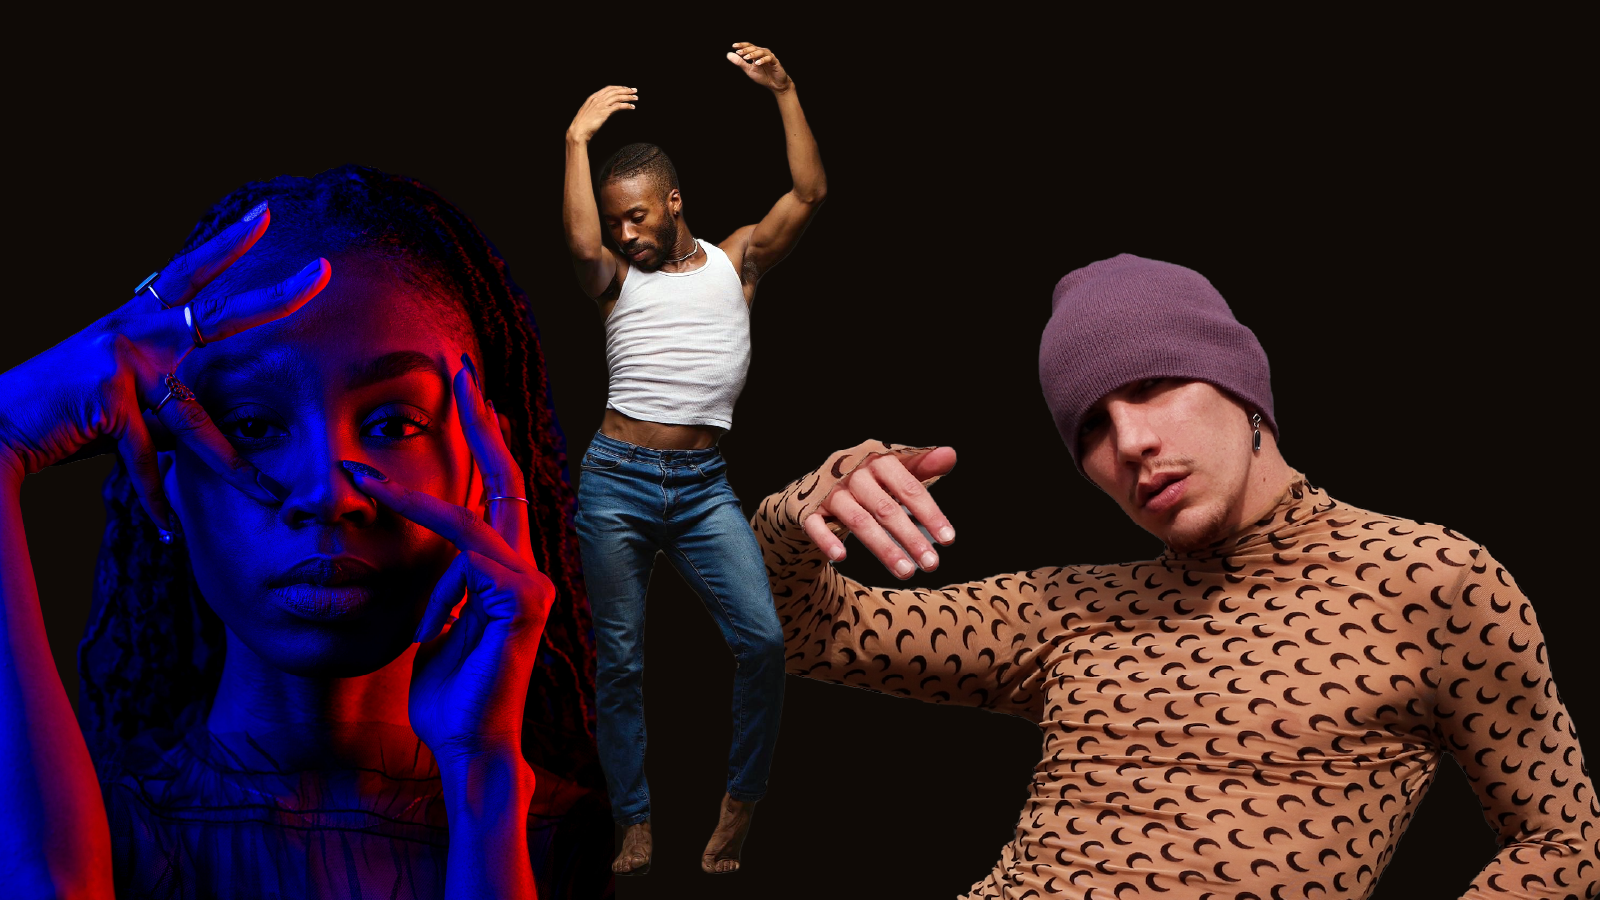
(149,284)
(175,388)
(188,319)
(507,497)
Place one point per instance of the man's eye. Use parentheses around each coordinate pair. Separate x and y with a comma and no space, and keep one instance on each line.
(1149,383)
(1091,425)
(250,428)
(393,428)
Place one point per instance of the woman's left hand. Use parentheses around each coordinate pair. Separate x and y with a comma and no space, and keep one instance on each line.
(469,682)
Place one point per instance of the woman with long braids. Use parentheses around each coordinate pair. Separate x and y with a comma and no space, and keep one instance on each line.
(339,644)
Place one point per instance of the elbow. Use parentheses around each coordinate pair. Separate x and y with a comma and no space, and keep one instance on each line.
(584,252)
(813,195)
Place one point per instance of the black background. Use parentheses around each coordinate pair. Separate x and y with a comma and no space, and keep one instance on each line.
(1391,205)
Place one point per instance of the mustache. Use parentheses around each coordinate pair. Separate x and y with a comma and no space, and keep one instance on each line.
(1153,469)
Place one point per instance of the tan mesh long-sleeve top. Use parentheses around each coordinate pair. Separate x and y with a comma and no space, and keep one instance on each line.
(1255,720)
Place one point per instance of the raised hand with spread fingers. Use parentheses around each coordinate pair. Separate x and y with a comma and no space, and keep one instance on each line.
(111,383)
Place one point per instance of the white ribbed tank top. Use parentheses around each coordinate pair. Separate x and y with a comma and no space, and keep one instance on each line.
(678,344)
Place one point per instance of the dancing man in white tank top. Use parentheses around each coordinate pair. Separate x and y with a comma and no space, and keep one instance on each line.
(677,317)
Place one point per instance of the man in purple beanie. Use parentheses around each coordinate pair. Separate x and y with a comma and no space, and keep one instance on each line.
(1256,712)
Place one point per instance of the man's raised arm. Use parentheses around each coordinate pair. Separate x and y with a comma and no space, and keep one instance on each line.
(594,263)
(766,243)
(967,644)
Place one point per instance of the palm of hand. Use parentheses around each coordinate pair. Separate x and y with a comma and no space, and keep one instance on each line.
(761,65)
(770,76)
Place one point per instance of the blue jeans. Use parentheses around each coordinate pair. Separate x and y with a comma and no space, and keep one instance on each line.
(632,502)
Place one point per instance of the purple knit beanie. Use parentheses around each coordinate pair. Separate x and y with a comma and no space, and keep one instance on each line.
(1127,318)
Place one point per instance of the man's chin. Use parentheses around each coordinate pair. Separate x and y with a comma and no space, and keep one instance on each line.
(1192,528)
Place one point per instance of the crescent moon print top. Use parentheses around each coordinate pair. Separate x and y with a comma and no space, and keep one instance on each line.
(1258,719)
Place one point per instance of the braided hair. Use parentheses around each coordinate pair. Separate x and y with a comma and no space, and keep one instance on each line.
(151,656)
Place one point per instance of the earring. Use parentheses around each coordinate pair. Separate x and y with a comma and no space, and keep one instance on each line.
(1255,422)
(168,537)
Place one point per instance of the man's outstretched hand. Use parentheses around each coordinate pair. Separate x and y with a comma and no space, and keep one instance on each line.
(598,108)
(762,67)
(869,502)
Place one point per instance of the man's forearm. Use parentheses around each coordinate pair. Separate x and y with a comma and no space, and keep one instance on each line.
(805,160)
(580,217)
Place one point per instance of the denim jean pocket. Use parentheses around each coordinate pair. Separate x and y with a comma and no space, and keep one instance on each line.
(711,468)
(594,462)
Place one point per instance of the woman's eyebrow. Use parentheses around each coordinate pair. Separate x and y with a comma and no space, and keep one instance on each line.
(393,365)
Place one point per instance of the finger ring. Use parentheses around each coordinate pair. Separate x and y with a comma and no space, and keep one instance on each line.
(175,389)
(189,320)
(149,284)
(507,497)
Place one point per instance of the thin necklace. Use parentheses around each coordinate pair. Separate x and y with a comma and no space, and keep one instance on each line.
(689,254)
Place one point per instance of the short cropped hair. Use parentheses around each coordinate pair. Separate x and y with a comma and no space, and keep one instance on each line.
(641,159)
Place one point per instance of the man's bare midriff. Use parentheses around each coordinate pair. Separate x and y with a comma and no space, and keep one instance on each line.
(658,435)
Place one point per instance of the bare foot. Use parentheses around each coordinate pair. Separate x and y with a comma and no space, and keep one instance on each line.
(722,851)
(636,848)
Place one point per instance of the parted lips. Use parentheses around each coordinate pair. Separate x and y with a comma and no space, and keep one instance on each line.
(1127,318)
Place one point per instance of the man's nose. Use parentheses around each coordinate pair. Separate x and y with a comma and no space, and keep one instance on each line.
(1132,432)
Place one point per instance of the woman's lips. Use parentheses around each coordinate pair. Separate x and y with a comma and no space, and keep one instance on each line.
(324,588)
(323,603)
(1167,497)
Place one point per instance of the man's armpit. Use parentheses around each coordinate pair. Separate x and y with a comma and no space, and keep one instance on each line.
(749,272)
(608,297)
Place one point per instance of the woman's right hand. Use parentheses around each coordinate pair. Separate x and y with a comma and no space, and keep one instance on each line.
(101,382)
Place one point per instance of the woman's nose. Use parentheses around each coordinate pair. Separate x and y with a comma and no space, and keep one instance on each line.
(321,492)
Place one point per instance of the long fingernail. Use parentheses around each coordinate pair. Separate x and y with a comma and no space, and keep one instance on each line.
(355,468)
(271,486)
(311,274)
(256,211)
(466,362)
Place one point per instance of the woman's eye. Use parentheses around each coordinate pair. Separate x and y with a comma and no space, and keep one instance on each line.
(393,428)
(250,428)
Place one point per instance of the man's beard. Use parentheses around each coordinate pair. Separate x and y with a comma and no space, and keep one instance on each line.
(663,241)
